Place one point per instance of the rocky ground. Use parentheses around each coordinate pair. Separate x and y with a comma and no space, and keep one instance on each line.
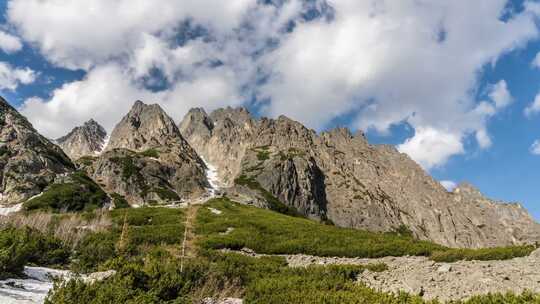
(445,281)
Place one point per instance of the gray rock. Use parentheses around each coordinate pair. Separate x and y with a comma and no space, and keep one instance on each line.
(28,161)
(88,139)
(445,268)
(341,177)
(148,161)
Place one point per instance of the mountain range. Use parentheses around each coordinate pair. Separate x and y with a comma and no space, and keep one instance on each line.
(333,176)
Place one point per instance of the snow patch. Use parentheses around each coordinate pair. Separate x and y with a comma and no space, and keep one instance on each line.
(39,281)
(10,209)
(212,177)
(32,290)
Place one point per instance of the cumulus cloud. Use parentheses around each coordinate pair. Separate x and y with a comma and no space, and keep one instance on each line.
(389,62)
(500,94)
(11,77)
(534,107)
(9,43)
(535,147)
(431,147)
(77,34)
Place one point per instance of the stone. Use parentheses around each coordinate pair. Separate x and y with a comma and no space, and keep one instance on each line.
(29,162)
(86,140)
(148,161)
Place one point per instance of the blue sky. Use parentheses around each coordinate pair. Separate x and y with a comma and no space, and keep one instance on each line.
(416,74)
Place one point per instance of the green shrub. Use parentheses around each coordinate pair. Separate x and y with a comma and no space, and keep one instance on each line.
(150,153)
(93,250)
(268,232)
(80,194)
(19,247)
(147,228)
(483,254)
(119,201)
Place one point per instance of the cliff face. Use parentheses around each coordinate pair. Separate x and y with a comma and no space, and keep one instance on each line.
(28,161)
(341,177)
(88,139)
(148,161)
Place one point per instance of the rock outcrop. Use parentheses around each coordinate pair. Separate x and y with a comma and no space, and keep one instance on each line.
(148,161)
(28,161)
(88,139)
(339,176)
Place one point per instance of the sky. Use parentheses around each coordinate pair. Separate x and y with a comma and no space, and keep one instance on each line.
(454,84)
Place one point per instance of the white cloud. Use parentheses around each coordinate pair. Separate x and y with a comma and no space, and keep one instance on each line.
(389,61)
(535,147)
(448,185)
(395,61)
(11,77)
(9,43)
(534,107)
(536,61)
(78,34)
(431,147)
(500,95)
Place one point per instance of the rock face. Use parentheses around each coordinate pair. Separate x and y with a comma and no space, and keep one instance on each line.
(148,161)
(341,177)
(88,139)
(28,161)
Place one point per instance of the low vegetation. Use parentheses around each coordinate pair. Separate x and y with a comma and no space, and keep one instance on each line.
(128,166)
(271,233)
(20,247)
(119,201)
(154,153)
(159,278)
(268,232)
(79,193)
(483,254)
(133,232)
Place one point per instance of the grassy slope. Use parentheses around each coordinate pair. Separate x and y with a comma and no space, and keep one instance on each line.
(147,228)
(153,275)
(80,194)
(272,233)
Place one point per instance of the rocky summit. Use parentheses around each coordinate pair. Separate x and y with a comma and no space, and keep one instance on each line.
(340,177)
(148,161)
(88,139)
(28,161)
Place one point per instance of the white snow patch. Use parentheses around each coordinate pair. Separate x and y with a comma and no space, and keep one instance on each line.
(215,211)
(10,209)
(39,281)
(32,290)
(212,177)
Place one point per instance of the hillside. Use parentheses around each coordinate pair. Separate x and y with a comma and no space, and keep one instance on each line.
(340,177)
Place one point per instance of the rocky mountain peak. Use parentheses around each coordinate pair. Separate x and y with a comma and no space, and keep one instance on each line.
(28,161)
(239,115)
(196,121)
(466,189)
(144,127)
(339,176)
(88,139)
